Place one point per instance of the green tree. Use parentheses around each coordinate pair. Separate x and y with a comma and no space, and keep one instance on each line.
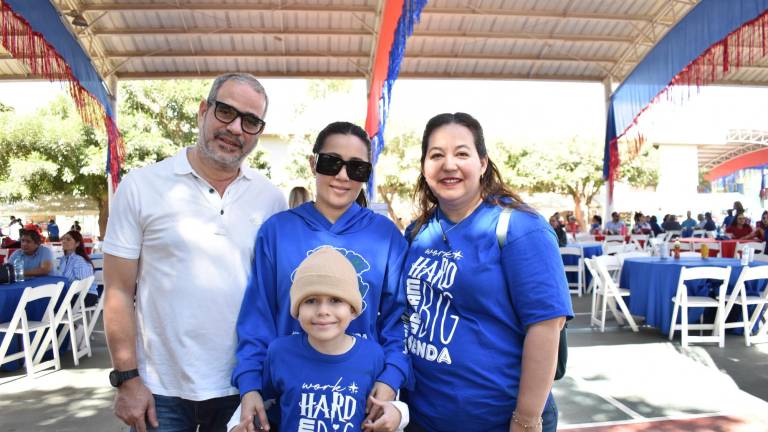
(576,170)
(5,108)
(397,171)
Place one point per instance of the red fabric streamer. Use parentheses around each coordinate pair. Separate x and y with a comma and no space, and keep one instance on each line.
(31,48)
(702,71)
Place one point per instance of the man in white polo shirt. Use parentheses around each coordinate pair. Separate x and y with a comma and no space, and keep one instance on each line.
(180,239)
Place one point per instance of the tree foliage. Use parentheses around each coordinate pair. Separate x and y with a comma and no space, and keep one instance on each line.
(52,153)
(575,170)
(396,173)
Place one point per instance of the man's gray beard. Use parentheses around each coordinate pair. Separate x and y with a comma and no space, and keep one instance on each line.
(213,156)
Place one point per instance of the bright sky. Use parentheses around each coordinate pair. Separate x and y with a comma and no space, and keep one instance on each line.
(515,111)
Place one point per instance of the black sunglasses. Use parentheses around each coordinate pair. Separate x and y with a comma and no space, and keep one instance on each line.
(330,165)
(250,123)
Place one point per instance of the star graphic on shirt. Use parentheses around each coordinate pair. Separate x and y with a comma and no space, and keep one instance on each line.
(353,388)
(457,255)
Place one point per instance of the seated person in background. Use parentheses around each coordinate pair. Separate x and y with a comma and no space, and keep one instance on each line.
(671,224)
(688,225)
(614,226)
(728,218)
(325,298)
(572,227)
(709,224)
(76,227)
(53,231)
(642,226)
(655,228)
(562,237)
(760,227)
(739,229)
(76,264)
(701,222)
(597,225)
(38,260)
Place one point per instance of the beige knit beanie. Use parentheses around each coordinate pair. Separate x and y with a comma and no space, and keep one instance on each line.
(325,272)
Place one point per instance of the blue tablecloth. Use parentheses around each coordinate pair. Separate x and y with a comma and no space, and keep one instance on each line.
(590,249)
(10,294)
(652,283)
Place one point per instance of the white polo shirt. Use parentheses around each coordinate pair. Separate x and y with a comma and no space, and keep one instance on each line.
(194,249)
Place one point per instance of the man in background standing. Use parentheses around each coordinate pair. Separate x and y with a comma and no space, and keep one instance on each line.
(191,220)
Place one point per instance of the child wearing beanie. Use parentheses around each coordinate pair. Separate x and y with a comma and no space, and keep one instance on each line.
(323,376)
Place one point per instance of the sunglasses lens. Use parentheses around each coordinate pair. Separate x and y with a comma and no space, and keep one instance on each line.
(328,164)
(359,171)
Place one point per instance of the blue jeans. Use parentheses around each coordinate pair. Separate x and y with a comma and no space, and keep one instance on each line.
(183,415)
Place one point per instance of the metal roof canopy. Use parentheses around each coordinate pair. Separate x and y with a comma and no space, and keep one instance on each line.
(568,40)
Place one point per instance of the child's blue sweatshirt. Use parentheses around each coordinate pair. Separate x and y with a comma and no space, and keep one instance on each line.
(374,246)
(320,392)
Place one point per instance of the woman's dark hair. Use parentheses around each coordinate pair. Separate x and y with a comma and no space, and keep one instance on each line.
(80,249)
(492,186)
(345,128)
(598,218)
(653,220)
(32,234)
(735,218)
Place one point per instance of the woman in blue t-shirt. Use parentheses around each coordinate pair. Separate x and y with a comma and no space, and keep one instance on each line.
(484,319)
(337,218)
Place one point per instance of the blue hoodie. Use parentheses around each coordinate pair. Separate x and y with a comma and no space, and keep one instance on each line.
(374,246)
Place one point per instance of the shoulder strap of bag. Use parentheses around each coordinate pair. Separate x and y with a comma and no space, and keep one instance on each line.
(502,225)
(562,349)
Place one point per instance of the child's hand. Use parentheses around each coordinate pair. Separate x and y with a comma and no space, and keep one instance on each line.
(388,421)
(243,427)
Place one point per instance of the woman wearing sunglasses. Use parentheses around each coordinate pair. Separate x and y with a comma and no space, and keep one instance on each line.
(337,218)
(485,318)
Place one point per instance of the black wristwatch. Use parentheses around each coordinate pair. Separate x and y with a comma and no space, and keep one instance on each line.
(117,378)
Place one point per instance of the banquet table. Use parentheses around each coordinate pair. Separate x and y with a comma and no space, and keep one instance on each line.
(652,283)
(727,247)
(10,294)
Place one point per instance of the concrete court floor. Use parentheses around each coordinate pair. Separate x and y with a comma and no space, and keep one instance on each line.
(617,381)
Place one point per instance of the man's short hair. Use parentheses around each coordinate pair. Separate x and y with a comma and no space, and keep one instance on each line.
(614,214)
(240,77)
(32,234)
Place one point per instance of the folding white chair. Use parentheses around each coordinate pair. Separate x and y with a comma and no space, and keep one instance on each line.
(577,268)
(682,301)
(584,237)
(714,246)
(739,297)
(609,295)
(640,240)
(761,257)
(614,239)
(95,311)
(700,233)
(711,234)
(757,246)
(622,256)
(45,330)
(669,235)
(72,309)
(613,248)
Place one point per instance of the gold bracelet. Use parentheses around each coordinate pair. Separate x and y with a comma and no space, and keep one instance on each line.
(535,426)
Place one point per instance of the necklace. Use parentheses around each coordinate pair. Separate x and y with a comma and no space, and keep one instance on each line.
(446,231)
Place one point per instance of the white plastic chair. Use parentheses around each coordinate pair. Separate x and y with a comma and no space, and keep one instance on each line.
(72,310)
(711,234)
(614,239)
(760,302)
(640,240)
(757,246)
(94,311)
(714,246)
(669,235)
(682,301)
(700,233)
(45,330)
(613,248)
(609,295)
(578,268)
(584,237)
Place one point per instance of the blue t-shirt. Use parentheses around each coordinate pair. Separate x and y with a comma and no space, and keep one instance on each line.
(320,392)
(470,304)
(53,230)
(41,255)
